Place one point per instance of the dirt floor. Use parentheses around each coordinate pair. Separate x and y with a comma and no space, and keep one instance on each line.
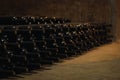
(102,63)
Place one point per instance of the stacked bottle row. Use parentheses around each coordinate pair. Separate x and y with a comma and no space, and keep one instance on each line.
(26,20)
(27,48)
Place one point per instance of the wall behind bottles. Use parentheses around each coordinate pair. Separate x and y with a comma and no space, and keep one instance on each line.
(76,10)
(117,21)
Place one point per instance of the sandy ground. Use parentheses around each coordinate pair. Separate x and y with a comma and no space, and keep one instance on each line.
(102,63)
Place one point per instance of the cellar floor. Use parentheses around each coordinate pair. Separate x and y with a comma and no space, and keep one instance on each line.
(102,63)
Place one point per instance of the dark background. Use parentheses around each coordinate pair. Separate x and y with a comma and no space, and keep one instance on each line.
(77,10)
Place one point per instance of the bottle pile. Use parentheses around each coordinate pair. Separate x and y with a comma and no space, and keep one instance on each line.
(25,47)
